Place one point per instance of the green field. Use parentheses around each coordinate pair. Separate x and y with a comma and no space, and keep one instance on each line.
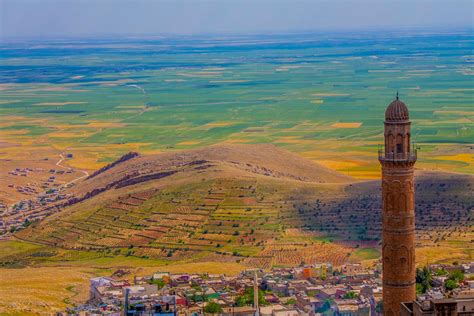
(323,98)
(365,254)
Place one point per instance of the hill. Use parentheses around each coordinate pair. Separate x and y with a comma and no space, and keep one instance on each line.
(242,161)
(252,204)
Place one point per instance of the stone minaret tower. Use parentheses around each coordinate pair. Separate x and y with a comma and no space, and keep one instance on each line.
(398,215)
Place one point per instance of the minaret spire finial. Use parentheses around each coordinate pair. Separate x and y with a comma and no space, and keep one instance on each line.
(397,94)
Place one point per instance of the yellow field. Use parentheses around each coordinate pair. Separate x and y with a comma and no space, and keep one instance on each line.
(347,125)
(70,134)
(445,254)
(218,124)
(469,158)
(338,165)
(227,268)
(30,291)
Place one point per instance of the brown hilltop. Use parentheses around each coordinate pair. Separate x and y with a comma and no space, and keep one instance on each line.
(222,160)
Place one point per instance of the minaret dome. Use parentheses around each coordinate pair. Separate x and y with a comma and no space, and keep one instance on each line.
(397,111)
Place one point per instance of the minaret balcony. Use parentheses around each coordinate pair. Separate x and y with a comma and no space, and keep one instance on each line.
(397,157)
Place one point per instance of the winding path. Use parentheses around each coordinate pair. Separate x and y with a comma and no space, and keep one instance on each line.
(58,163)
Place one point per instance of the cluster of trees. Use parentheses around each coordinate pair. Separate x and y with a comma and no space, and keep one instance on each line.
(247,298)
(213,308)
(453,280)
(424,279)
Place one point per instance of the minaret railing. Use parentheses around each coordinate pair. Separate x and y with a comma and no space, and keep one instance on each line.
(391,156)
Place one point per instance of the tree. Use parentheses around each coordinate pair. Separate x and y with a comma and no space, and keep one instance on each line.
(213,308)
(419,289)
(450,285)
(26,223)
(457,276)
(441,272)
(453,281)
(424,278)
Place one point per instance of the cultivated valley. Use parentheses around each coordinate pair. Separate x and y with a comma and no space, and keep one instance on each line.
(210,155)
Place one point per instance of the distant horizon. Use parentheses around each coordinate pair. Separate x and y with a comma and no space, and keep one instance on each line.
(415,31)
(29,19)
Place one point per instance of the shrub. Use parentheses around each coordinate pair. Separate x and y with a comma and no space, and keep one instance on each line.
(213,308)
(450,285)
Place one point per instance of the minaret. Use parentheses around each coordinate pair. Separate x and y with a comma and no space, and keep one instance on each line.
(398,215)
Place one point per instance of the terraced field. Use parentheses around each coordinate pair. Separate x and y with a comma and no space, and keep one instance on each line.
(228,214)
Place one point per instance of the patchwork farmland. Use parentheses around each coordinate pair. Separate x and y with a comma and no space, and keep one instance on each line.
(322,101)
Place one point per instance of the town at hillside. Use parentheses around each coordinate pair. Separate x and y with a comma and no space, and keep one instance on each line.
(319,289)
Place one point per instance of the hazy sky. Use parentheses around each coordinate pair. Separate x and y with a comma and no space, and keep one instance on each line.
(62,18)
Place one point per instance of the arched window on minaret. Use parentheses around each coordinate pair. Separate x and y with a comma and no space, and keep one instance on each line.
(399,148)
